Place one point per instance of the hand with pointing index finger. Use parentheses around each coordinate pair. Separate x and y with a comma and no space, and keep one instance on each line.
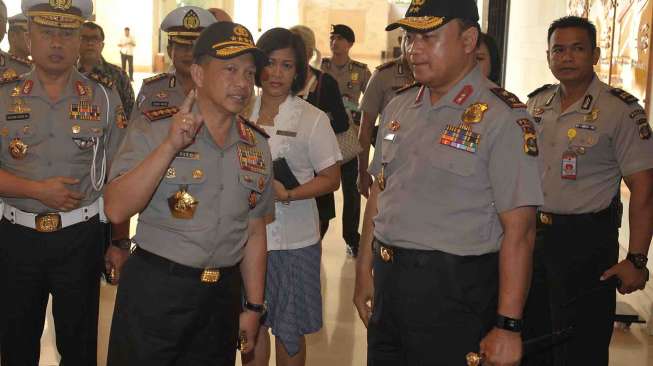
(185,124)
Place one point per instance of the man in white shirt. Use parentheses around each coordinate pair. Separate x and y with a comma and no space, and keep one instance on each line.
(127,45)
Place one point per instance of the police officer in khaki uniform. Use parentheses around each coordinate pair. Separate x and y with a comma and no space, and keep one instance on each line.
(16,36)
(383,86)
(201,180)
(352,77)
(591,136)
(57,139)
(168,90)
(450,222)
(10,65)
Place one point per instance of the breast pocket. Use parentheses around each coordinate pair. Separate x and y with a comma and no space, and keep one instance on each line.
(454,161)
(585,139)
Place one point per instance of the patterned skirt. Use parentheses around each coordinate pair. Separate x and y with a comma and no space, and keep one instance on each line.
(293,294)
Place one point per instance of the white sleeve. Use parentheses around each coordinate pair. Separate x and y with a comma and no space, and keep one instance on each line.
(323,149)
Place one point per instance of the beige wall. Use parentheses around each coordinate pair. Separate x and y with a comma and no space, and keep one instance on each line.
(368,19)
(526,67)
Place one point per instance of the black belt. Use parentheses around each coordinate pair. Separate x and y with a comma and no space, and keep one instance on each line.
(609,215)
(389,254)
(207,275)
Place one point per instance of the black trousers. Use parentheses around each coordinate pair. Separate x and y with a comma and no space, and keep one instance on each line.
(568,261)
(128,59)
(430,308)
(351,205)
(66,264)
(162,318)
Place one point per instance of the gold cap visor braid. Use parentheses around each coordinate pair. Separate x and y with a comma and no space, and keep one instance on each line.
(418,24)
(58,20)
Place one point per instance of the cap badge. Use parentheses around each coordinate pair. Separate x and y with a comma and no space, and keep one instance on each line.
(241,31)
(191,20)
(61,4)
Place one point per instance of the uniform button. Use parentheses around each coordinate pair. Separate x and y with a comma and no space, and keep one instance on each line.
(548,168)
(49,163)
(553,144)
(544,194)
(51,134)
(222,187)
(219,220)
(222,154)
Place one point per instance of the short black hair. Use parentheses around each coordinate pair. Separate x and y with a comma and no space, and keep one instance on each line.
(495,59)
(465,24)
(574,22)
(278,39)
(94,26)
(126,28)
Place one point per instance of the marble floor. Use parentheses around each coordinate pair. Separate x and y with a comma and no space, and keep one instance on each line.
(342,340)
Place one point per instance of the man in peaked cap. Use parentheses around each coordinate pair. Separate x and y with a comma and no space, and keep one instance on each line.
(352,77)
(10,64)
(450,223)
(16,36)
(58,135)
(200,176)
(168,90)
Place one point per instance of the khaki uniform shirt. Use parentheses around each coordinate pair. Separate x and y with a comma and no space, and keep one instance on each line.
(59,136)
(445,182)
(352,80)
(11,66)
(231,185)
(160,91)
(383,86)
(607,133)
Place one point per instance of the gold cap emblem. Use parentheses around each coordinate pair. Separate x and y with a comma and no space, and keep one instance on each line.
(241,31)
(18,149)
(191,20)
(61,4)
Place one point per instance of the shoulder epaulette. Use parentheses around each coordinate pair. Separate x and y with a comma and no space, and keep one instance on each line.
(154,78)
(624,96)
(253,126)
(507,97)
(407,87)
(161,113)
(3,60)
(539,90)
(101,79)
(386,65)
(21,60)
(359,64)
(4,81)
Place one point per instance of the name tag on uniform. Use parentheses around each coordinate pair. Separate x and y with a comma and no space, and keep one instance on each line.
(585,126)
(286,133)
(158,103)
(390,137)
(17,116)
(193,155)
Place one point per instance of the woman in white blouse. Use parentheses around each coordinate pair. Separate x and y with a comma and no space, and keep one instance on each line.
(302,135)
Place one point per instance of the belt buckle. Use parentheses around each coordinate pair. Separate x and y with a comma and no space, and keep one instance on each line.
(210,275)
(387,254)
(546,219)
(48,222)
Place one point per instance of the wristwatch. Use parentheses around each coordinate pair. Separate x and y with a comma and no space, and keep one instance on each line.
(257,308)
(506,323)
(638,260)
(122,243)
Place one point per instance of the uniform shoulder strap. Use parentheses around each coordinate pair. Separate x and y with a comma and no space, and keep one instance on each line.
(154,78)
(253,126)
(359,64)
(101,79)
(386,65)
(507,97)
(160,113)
(408,87)
(624,96)
(539,90)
